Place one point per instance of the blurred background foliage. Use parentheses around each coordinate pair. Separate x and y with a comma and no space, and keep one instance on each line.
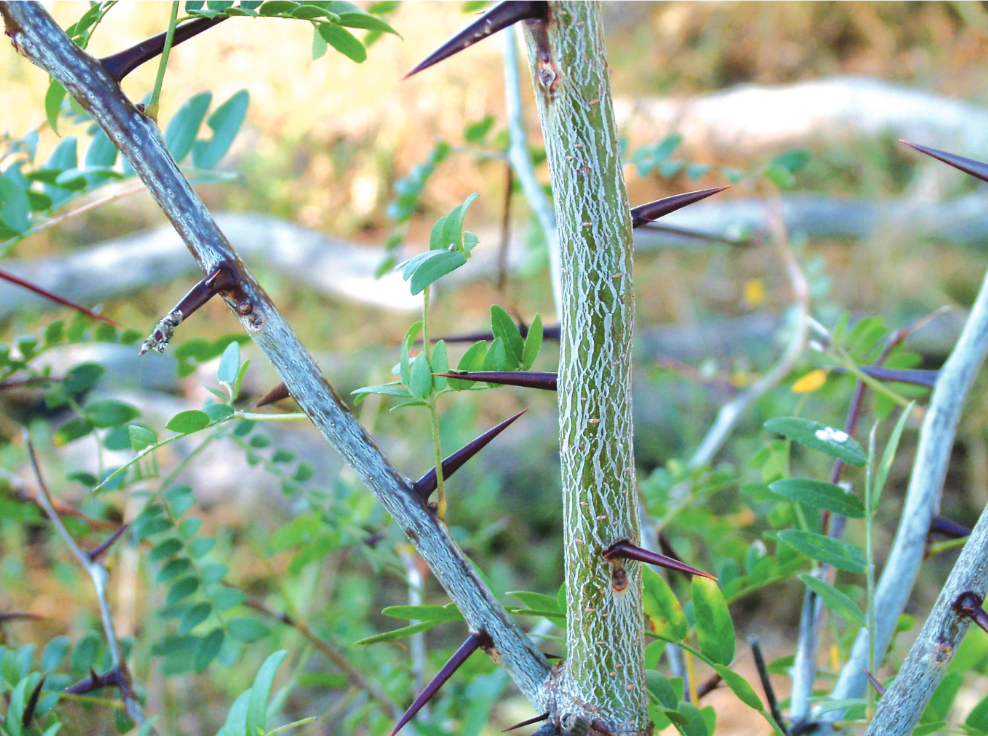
(323,145)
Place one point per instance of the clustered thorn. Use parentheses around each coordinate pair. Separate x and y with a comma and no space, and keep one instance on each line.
(625,550)
(425,485)
(499,17)
(471,645)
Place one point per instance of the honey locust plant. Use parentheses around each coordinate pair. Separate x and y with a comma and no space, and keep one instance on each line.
(618,614)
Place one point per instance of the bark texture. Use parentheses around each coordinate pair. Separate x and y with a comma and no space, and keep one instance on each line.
(602,684)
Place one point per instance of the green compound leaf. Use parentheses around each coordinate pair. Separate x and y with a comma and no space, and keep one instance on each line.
(834,552)
(257,707)
(714,628)
(398,634)
(425,613)
(833,442)
(343,41)
(225,123)
(820,495)
(836,601)
(665,614)
(188,421)
(741,687)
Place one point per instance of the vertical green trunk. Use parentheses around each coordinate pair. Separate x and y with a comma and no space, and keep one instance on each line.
(603,677)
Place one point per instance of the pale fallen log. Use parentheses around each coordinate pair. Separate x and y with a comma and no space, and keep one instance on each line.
(345,271)
(759,120)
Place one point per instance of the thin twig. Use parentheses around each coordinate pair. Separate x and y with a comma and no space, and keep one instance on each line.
(356,677)
(416,642)
(773,702)
(731,412)
(521,162)
(99,576)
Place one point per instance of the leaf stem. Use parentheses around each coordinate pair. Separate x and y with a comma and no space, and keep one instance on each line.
(152,107)
(691,675)
(436,443)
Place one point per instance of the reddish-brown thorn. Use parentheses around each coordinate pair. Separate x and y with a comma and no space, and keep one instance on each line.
(623,549)
(276,394)
(122,63)
(948,528)
(525,379)
(879,688)
(969,604)
(220,280)
(471,645)
(912,376)
(32,702)
(19,616)
(529,722)
(40,291)
(497,18)
(696,235)
(644,213)
(977,169)
(96,552)
(549,332)
(425,485)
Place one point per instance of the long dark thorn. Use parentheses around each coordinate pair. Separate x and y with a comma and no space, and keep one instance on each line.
(529,722)
(40,291)
(913,376)
(32,702)
(218,281)
(708,686)
(549,332)
(471,645)
(773,702)
(948,528)
(19,616)
(525,379)
(96,552)
(969,603)
(696,235)
(278,393)
(624,549)
(977,169)
(879,687)
(425,485)
(497,18)
(644,213)
(122,63)
(95,681)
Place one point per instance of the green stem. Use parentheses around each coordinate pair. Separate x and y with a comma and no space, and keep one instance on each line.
(870,563)
(850,366)
(436,443)
(152,108)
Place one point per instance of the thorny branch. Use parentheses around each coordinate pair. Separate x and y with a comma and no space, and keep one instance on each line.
(100,577)
(36,36)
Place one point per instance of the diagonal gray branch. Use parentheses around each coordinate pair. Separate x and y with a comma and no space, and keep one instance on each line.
(923,497)
(36,35)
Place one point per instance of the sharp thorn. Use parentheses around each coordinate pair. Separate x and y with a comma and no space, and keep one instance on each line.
(525,379)
(19,616)
(96,552)
(696,235)
(549,332)
(218,281)
(624,549)
(912,376)
(51,296)
(122,63)
(471,645)
(977,169)
(969,604)
(425,485)
(948,528)
(278,393)
(529,722)
(32,702)
(644,213)
(879,688)
(497,18)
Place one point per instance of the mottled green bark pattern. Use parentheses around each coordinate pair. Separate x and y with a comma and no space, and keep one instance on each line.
(604,664)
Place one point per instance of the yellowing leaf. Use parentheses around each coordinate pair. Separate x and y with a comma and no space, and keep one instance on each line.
(810,382)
